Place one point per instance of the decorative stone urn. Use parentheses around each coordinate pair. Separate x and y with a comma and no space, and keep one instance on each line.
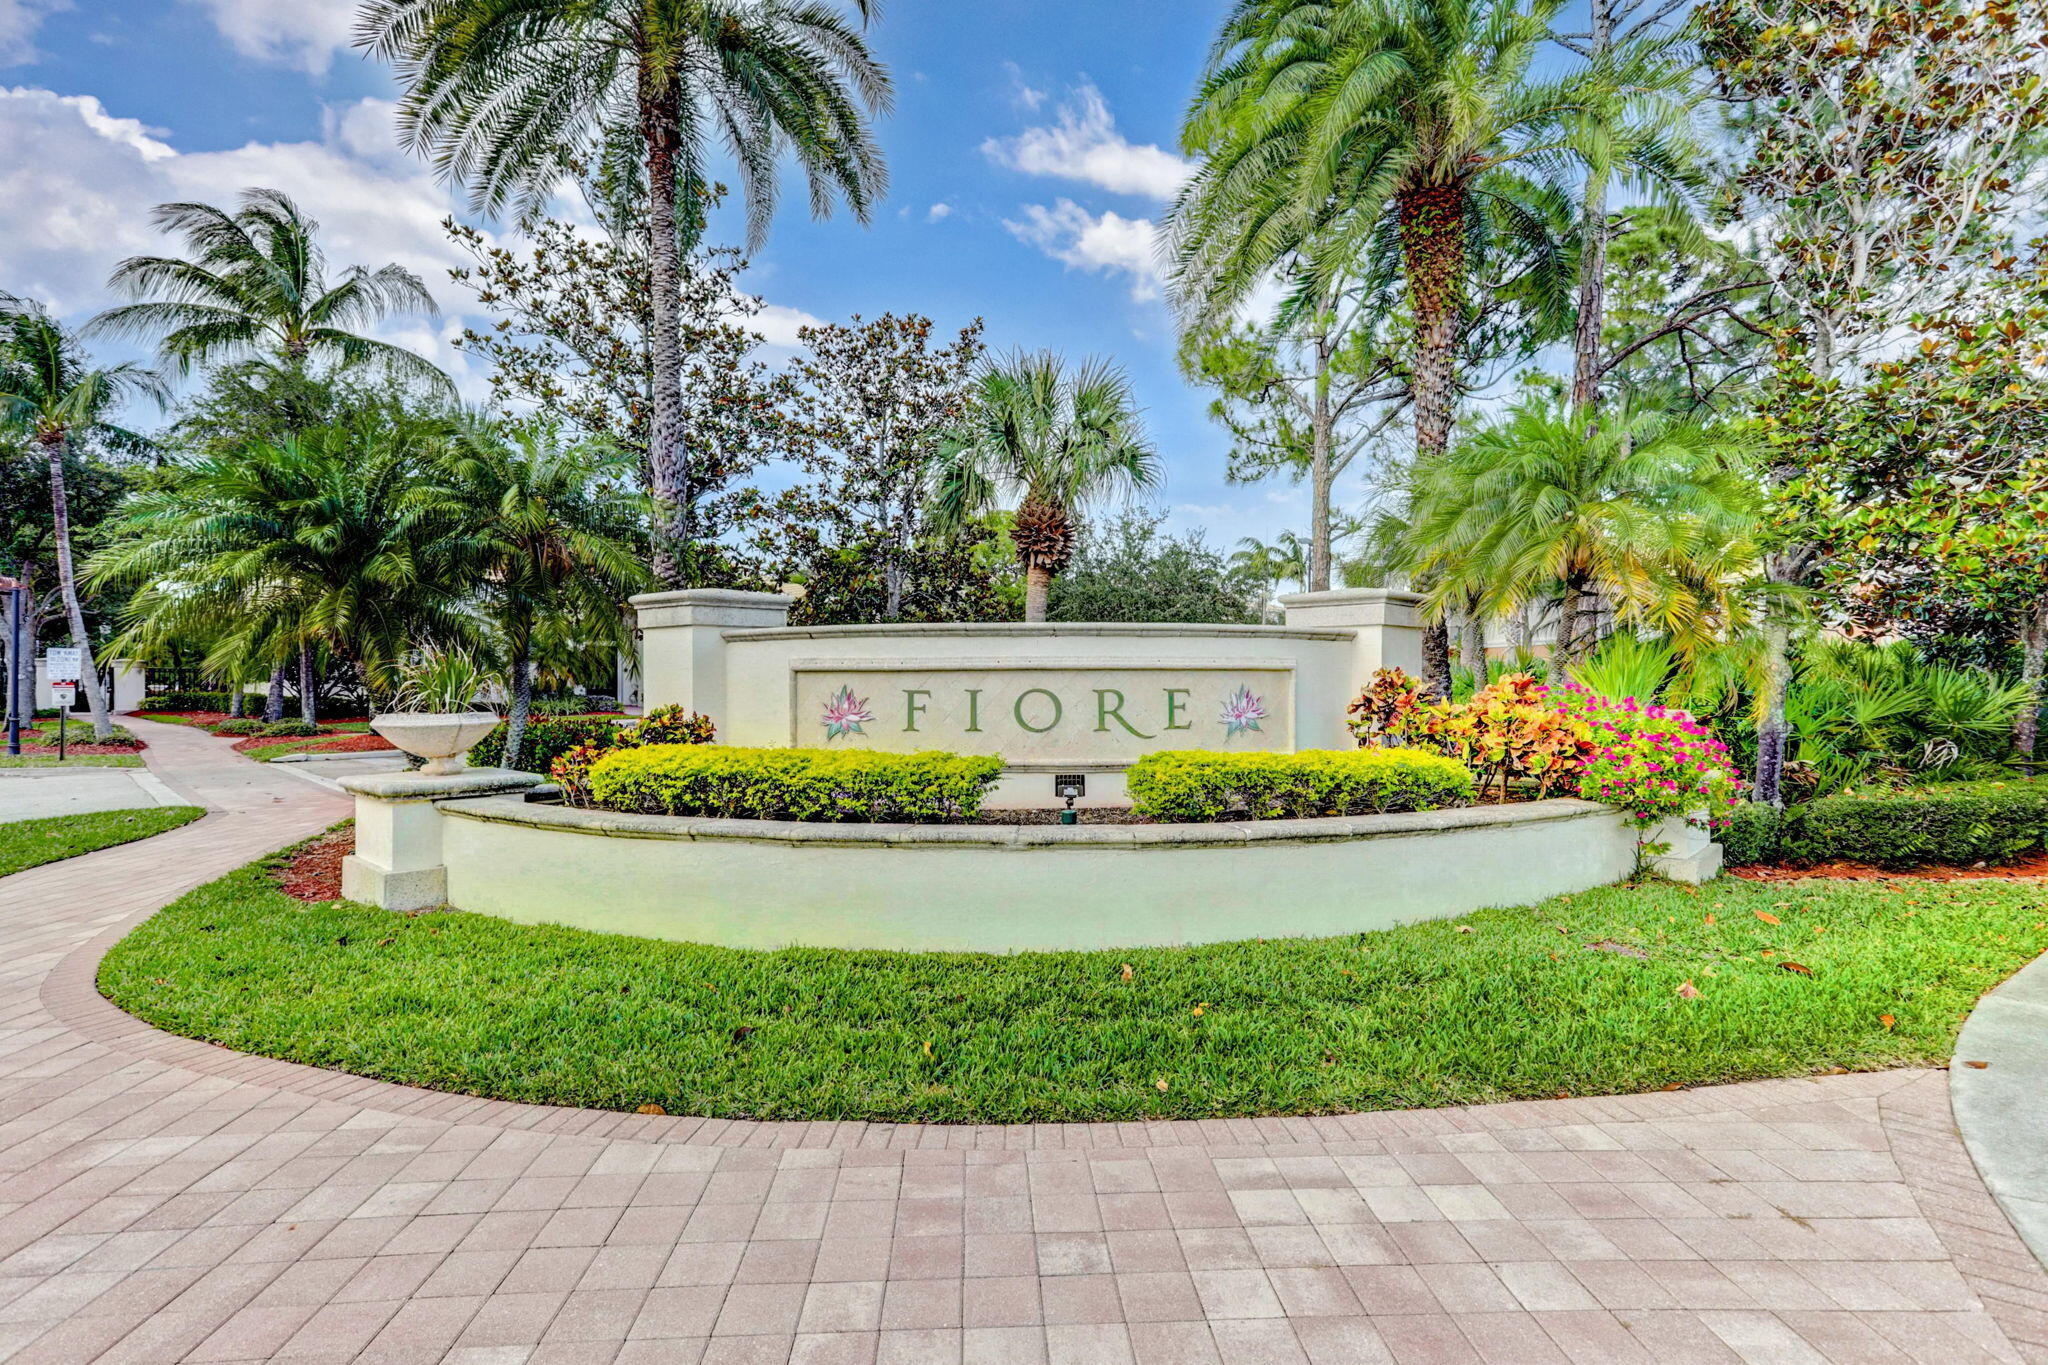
(439,737)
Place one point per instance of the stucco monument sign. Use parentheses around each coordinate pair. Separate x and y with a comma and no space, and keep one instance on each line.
(1087,697)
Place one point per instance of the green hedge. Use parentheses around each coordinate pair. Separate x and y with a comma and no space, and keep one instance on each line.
(793,784)
(546,739)
(1956,823)
(1192,785)
(236,728)
(290,729)
(186,701)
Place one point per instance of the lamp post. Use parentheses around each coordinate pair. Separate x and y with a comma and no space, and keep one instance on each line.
(15,590)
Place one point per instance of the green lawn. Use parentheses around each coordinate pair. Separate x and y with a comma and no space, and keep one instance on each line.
(31,843)
(1579,995)
(80,761)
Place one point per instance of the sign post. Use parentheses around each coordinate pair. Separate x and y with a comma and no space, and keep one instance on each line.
(62,667)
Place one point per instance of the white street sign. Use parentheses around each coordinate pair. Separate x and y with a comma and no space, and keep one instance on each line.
(62,666)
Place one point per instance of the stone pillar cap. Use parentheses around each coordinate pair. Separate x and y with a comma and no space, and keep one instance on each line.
(413,786)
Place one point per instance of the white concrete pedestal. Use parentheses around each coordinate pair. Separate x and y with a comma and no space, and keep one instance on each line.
(397,863)
(1692,856)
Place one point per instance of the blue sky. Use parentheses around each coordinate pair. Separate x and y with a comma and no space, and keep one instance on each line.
(1029,153)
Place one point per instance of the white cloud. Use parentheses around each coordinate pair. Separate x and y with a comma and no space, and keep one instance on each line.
(300,33)
(777,324)
(1097,243)
(77,190)
(938,213)
(1021,90)
(1085,145)
(19,20)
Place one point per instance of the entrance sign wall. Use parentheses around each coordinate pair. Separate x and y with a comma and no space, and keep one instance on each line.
(1087,697)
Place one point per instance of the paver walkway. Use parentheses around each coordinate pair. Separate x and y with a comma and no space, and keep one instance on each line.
(161,1200)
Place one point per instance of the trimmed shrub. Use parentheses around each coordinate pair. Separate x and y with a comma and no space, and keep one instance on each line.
(1751,835)
(186,701)
(1194,785)
(290,729)
(236,727)
(1954,823)
(793,784)
(81,732)
(546,739)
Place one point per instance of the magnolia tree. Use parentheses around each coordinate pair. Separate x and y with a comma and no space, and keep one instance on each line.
(574,338)
(1929,487)
(1883,140)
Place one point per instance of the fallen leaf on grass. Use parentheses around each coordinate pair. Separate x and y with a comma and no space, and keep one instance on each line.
(1887,1020)
(1710,921)
(1203,1006)
(1688,991)
(742,1033)
(1462,928)
(1160,1085)
(650,1109)
(1126,973)
(927,1047)
(1799,968)
(1768,918)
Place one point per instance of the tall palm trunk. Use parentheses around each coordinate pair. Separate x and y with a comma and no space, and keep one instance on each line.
(1774,731)
(235,700)
(67,583)
(660,111)
(309,690)
(273,701)
(1592,316)
(1322,424)
(2033,650)
(1432,225)
(1571,612)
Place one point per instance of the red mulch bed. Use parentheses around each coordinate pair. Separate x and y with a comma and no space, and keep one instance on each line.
(334,744)
(314,873)
(2026,869)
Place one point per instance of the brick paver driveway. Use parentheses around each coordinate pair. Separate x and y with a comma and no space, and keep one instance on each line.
(161,1200)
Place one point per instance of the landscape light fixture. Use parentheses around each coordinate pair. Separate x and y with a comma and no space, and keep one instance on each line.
(1070,787)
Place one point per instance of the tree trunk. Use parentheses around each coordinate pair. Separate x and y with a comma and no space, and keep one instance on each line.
(1592,256)
(2033,649)
(1320,476)
(67,583)
(1432,226)
(1474,647)
(1436,659)
(1518,630)
(1037,592)
(660,131)
(273,703)
(1774,733)
(1564,650)
(521,707)
(235,700)
(309,692)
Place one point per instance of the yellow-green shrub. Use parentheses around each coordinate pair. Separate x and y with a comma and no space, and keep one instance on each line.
(793,784)
(1185,785)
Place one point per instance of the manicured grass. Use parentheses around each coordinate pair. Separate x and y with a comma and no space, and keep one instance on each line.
(1579,995)
(78,761)
(31,843)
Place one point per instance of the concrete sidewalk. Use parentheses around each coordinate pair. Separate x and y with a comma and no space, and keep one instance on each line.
(35,793)
(164,1200)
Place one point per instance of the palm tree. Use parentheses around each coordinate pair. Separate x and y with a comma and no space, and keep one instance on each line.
(1055,442)
(509,96)
(1338,133)
(1284,561)
(1653,518)
(543,528)
(312,544)
(256,290)
(51,395)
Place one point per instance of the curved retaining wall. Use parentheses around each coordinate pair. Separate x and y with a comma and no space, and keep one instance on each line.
(1000,888)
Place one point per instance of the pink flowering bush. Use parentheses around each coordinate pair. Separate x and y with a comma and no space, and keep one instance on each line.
(1651,762)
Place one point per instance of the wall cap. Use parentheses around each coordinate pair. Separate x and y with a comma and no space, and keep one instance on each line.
(1235,834)
(1342,597)
(713,597)
(1012,630)
(415,786)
